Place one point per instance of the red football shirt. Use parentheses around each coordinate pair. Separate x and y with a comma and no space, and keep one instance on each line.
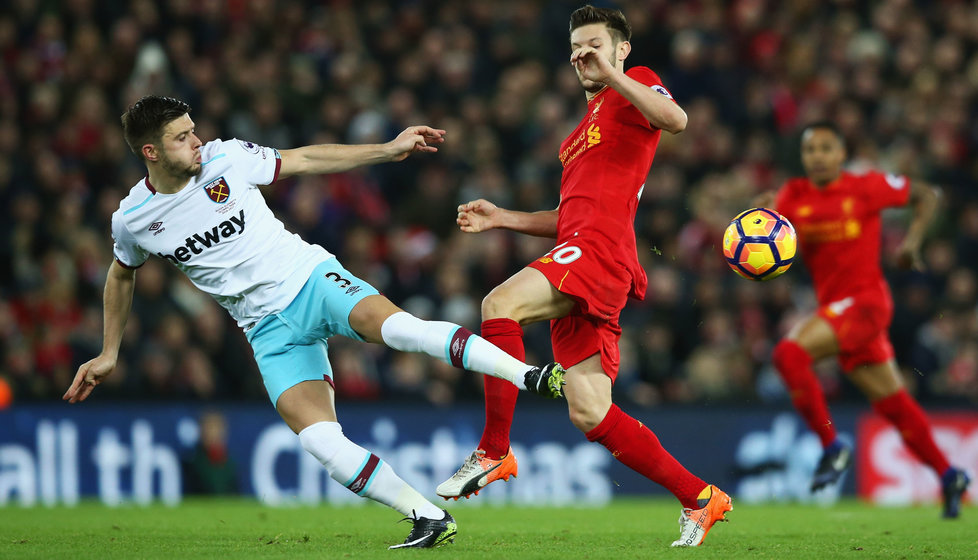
(838,228)
(606,161)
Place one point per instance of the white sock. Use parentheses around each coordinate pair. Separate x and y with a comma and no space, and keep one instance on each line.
(362,472)
(452,344)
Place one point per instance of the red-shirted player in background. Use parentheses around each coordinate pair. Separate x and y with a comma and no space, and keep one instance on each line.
(582,285)
(837,217)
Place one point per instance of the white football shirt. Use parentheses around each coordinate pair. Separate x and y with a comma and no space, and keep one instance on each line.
(220,232)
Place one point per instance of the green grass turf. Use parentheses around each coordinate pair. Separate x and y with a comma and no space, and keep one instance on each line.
(625,529)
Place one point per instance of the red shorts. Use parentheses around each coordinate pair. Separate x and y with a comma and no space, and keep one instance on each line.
(861,324)
(600,289)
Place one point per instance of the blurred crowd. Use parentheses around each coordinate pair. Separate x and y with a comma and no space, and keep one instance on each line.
(899,76)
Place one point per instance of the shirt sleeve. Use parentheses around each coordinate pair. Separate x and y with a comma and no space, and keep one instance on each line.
(258,164)
(645,75)
(125,250)
(884,190)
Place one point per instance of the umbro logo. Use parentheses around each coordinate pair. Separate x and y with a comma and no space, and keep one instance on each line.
(456,349)
(155,226)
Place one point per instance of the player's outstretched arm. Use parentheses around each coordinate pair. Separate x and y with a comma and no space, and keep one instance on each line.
(924,200)
(119,285)
(336,158)
(481,215)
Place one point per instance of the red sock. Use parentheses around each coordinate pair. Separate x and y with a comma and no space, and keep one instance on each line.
(632,443)
(903,412)
(794,365)
(501,395)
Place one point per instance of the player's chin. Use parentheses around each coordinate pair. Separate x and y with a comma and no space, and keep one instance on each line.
(591,86)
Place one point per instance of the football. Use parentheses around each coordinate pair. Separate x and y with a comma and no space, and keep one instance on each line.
(760,244)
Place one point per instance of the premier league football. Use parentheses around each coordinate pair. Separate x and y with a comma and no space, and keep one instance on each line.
(760,244)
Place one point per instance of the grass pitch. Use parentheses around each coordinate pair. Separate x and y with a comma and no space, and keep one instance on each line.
(625,529)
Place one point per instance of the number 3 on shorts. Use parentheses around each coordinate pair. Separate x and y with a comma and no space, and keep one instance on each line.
(564,255)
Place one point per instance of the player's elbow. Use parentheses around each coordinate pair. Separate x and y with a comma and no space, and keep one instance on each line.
(677,122)
(119,272)
(925,193)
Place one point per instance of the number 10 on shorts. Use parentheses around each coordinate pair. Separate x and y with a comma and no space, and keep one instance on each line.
(562,254)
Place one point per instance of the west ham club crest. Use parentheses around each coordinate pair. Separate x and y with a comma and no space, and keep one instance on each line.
(218,190)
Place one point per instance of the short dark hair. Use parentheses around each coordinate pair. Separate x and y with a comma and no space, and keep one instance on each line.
(615,20)
(826,125)
(144,121)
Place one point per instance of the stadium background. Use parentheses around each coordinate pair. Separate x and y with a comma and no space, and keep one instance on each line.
(900,78)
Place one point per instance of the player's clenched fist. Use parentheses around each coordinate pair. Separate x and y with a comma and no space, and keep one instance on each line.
(476,216)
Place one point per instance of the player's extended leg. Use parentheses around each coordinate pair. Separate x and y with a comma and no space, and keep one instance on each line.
(882,385)
(810,340)
(588,393)
(526,297)
(308,408)
(377,319)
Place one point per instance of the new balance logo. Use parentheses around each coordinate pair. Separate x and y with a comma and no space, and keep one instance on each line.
(199,242)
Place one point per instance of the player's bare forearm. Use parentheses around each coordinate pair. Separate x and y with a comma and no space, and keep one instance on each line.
(117,301)
(660,111)
(117,298)
(537,224)
(481,215)
(323,159)
(924,200)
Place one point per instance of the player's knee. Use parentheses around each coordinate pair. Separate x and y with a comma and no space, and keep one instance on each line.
(369,314)
(497,305)
(584,419)
(585,413)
